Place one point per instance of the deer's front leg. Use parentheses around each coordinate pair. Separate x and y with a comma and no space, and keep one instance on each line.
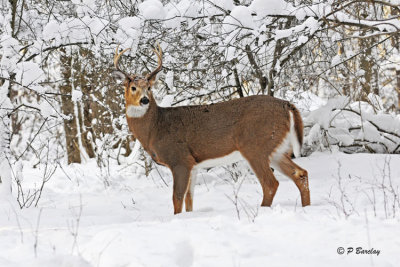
(181,176)
(190,191)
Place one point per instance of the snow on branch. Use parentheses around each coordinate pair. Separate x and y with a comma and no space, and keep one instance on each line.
(352,127)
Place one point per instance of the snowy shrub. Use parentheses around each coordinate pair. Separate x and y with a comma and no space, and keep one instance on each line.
(352,127)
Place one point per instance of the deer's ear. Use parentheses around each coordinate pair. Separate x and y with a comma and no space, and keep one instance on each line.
(152,80)
(119,75)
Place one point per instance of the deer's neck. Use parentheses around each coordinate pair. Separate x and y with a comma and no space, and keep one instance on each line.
(143,127)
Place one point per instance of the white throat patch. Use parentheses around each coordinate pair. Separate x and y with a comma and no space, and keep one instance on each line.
(136,111)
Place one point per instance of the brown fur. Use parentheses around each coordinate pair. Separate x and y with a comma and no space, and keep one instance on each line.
(182,137)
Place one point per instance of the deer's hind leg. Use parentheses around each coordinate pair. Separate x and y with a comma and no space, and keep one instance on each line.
(261,168)
(298,175)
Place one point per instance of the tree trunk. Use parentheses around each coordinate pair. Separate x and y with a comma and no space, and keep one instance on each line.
(239,88)
(85,80)
(67,108)
(366,65)
(396,43)
(85,125)
(398,89)
(262,79)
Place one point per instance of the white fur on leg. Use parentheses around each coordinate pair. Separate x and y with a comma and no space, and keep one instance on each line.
(296,146)
(193,177)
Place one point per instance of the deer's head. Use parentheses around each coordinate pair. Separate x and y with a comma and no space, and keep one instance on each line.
(137,88)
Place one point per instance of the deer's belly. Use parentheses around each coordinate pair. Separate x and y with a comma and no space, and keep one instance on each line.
(233,157)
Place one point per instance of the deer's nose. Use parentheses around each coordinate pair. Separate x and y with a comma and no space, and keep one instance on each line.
(144,100)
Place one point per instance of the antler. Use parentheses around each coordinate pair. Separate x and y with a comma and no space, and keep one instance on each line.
(158,52)
(116,59)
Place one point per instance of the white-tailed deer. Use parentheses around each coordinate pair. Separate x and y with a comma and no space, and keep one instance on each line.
(261,129)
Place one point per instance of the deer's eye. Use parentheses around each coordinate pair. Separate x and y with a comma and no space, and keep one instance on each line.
(133,88)
(149,88)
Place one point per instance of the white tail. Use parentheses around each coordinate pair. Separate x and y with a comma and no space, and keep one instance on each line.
(296,146)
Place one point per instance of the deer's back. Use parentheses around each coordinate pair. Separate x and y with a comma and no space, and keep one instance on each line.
(226,126)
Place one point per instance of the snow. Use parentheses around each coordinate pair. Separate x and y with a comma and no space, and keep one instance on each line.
(5,188)
(171,20)
(82,222)
(280,34)
(225,4)
(9,47)
(313,134)
(271,7)
(152,9)
(71,29)
(46,109)
(169,79)
(240,16)
(302,39)
(5,102)
(51,30)
(230,54)
(167,101)
(369,132)
(345,122)
(305,101)
(187,8)
(130,22)
(29,73)
(322,115)
(312,24)
(182,11)
(76,95)
(343,136)
(74,29)
(95,25)
(336,60)
(128,34)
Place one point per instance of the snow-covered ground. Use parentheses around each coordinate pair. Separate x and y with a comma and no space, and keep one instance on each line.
(90,218)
